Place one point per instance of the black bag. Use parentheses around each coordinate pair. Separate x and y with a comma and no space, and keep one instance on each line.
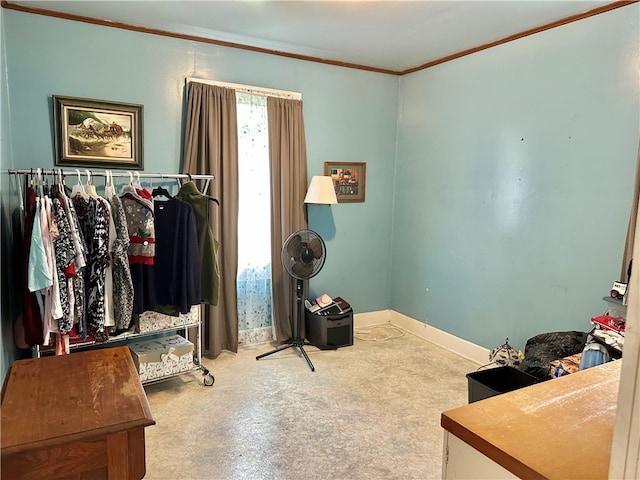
(545,347)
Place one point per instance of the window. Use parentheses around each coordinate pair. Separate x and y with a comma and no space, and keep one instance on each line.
(254,217)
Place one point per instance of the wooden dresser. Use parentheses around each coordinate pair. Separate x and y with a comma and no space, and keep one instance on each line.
(78,416)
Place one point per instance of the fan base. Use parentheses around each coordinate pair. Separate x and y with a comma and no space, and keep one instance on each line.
(292,343)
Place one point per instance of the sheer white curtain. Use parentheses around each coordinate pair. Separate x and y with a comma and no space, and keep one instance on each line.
(254,218)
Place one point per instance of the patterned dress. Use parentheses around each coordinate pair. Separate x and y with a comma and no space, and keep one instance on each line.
(93,217)
(65,252)
(76,298)
(122,281)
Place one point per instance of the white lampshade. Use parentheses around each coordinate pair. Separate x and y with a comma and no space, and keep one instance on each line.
(321,191)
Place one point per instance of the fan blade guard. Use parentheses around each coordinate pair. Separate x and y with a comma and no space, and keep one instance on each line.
(303,254)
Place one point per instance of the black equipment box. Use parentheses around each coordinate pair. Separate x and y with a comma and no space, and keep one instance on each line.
(329,331)
(494,381)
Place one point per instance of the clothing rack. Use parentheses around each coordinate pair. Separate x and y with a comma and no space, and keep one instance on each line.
(38,173)
(102,173)
(128,173)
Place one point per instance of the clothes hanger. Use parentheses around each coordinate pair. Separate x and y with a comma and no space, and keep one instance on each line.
(62,187)
(39,182)
(19,187)
(45,184)
(54,185)
(109,186)
(53,191)
(137,183)
(78,188)
(107,181)
(142,192)
(206,187)
(90,188)
(128,187)
(160,191)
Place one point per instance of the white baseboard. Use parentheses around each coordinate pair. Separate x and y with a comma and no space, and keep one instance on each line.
(459,346)
(371,318)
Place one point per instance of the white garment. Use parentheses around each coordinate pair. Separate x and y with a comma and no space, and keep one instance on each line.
(38,276)
(48,291)
(109,314)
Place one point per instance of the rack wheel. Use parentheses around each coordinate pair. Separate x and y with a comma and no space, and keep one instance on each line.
(208,380)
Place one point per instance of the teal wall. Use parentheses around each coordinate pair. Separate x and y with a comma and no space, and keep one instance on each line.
(499,183)
(8,305)
(514,181)
(349,115)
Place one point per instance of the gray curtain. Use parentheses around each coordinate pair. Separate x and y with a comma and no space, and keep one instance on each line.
(631,229)
(211,147)
(288,163)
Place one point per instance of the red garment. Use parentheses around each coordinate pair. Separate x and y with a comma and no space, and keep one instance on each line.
(144,193)
(33,334)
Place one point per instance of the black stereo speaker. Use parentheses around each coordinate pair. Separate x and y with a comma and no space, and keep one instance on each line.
(329,331)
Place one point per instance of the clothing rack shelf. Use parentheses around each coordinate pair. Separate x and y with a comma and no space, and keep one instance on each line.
(128,337)
(124,339)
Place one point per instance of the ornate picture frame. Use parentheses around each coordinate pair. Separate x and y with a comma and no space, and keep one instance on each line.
(94,133)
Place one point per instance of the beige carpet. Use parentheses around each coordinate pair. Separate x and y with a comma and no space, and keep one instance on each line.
(369,411)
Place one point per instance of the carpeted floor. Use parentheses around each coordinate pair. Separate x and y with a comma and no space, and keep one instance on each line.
(369,411)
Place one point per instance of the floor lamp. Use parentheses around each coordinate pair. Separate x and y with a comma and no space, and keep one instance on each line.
(321,192)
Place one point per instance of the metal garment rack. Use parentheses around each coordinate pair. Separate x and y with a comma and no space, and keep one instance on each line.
(123,174)
(208,379)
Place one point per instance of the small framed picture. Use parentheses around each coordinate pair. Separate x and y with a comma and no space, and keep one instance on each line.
(97,133)
(348,180)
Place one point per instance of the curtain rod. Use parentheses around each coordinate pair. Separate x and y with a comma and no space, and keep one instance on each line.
(265,92)
(102,173)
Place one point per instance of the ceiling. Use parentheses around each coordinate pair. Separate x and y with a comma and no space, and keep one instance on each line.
(385,35)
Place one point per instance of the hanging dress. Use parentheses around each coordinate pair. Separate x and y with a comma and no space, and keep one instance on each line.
(56,306)
(94,224)
(122,281)
(64,250)
(77,291)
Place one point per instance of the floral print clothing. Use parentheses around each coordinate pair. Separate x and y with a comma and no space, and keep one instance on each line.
(64,251)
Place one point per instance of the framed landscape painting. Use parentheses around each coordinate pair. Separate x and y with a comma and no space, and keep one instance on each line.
(97,133)
(348,180)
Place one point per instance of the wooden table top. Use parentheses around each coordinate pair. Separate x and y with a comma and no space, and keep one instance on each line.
(72,397)
(559,429)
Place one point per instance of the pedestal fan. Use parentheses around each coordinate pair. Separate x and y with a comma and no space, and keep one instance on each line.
(303,255)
